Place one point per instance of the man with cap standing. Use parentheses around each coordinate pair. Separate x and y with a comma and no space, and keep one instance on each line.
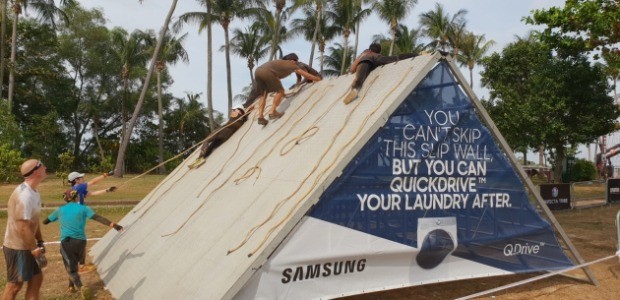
(23,244)
(80,185)
(235,121)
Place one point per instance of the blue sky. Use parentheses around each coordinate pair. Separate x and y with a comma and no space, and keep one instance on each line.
(498,20)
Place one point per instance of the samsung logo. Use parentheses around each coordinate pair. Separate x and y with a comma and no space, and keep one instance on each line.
(519,249)
(327,269)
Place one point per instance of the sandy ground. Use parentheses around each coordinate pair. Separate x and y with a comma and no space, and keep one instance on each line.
(592,231)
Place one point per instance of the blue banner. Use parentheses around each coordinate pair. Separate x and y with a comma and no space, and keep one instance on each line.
(434,178)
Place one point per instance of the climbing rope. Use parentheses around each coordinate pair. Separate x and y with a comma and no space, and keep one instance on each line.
(281,203)
(290,129)
(177,170)
(227,179)
(287,147)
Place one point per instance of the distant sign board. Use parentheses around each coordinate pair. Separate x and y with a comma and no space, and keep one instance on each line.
(613,190)
(557,196)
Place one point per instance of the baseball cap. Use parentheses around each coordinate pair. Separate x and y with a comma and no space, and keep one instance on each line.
(239,107)
(75,175)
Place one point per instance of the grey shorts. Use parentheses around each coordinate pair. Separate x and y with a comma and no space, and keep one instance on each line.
(20,265)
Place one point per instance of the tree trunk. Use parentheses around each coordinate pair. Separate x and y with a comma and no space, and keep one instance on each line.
(316,32)
(541,155)
(393,41)
(228,79)
(345,51)
(357,37)
(209,69)
(162,167)
(559,160)
(118,169)
(96,134)
(2,42)
(471,77)
(276,34)
(16,12)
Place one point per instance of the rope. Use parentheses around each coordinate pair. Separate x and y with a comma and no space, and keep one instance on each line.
(225,181)
(290,129)
(175,157)
(522,282)
(282,202)
(251,231)
(316,181)
(298,140)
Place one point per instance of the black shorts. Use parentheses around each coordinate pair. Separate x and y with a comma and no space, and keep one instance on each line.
(20,265)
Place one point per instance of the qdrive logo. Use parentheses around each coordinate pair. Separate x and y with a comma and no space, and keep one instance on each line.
(522,249)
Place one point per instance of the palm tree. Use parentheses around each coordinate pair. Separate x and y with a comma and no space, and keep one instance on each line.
(224,12)
(473,49)
(48,12)
(204,20)
(118,169)
(457,37)
(249,44)
(187,122)
(439,25)
(275,39)
(131,51)
(392,11)
(361,13)
(334,60)
(318,12)
(172,51)
(342,12)
(269,28)
(307,27)
(407,40)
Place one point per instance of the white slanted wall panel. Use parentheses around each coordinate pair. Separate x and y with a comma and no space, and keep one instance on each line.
(275,209)
(177,238)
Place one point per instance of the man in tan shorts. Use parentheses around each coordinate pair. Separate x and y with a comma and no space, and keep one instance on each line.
(267,79)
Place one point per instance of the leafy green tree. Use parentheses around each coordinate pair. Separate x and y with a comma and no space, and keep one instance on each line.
(186,123)
(10,160)
(42,92)
(393,11)
(48,12)
(541,99)
(10,133)
(581,25)
(90,111)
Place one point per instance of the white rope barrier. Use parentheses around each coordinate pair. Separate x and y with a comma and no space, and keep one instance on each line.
(522,282)
(58,242)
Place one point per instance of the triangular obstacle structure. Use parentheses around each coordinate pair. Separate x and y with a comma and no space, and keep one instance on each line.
(409,184)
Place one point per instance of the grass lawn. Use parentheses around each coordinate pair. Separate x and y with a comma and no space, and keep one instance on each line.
(130,188)
(55,278)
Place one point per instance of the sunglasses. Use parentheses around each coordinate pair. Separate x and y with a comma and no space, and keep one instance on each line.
(38,166)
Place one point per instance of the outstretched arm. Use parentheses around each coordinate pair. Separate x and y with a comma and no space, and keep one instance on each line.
(107,222)
(307,75)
